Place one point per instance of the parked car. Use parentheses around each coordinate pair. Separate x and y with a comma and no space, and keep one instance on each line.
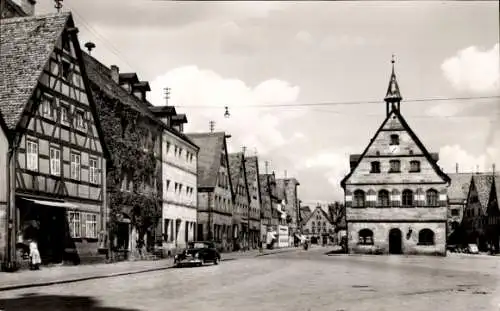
(198,253)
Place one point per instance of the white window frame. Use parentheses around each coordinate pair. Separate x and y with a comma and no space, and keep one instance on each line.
(55,161)
(93,171)
(47,107)
(76,163)
(91,225)
(64,114)
(80,122)
(32,155)
(75,224)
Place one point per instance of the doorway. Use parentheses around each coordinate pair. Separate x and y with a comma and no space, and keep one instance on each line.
(395,241)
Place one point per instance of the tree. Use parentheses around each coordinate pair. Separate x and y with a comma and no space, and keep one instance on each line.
(337,215)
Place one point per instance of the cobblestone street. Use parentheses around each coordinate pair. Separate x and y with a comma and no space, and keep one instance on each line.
(298,280)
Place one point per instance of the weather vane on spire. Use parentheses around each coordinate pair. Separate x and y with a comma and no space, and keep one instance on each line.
(392,60)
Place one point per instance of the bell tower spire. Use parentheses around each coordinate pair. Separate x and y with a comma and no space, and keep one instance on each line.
(393,96)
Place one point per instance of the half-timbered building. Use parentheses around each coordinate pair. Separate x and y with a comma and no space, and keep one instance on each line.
(252,172)
(395,193)
(241,200)
(56,159)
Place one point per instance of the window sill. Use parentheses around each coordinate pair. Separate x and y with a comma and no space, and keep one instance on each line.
(393,172)
(414,171)
(374,172)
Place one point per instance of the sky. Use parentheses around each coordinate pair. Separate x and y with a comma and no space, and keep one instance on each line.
(255,56)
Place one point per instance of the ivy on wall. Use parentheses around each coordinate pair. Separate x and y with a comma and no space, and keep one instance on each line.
(130,140)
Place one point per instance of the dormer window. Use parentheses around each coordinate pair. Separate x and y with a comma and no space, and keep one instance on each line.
(375,167)
(394,139)
(414,166)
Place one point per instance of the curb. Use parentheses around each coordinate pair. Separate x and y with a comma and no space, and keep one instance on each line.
(81,279)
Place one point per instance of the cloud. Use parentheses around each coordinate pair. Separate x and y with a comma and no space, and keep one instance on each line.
(254,128)
(473,70)
(334,166)
(454,154)
(304,37)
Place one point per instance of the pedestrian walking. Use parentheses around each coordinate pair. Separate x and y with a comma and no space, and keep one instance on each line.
(35,259)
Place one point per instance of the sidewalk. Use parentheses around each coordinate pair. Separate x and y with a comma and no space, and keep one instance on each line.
(67,274)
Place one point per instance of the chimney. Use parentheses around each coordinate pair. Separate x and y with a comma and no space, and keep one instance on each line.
(27,6)
(456,167)
(493,166)
(115,73)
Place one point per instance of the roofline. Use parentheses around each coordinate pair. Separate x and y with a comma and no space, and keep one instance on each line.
(88,88)
(405,125)
(181,136)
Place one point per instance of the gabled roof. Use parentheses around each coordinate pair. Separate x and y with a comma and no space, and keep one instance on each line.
(483,184)
(26,44)
(209,156)
(100,75)
(235,166)
(459,186)
(163,111)
(316,211)
(410,132)
(252,167)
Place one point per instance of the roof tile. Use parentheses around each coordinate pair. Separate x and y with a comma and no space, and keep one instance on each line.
(26,44)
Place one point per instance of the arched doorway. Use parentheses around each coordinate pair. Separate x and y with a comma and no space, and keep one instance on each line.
(395,241)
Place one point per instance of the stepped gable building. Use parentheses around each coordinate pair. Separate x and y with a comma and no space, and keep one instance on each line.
(395,193)
(53,164)
(215,190)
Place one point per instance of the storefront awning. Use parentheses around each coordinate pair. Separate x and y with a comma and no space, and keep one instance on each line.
(52,203)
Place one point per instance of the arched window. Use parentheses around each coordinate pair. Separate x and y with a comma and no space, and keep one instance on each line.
(365,237)
(407,198)
(359,198)
(432,197)
(426,237)
(395,198)
(383,198)
(371,197)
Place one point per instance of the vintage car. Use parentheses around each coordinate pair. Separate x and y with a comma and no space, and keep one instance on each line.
(198,253)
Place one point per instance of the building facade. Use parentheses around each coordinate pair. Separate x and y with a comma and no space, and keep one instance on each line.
(133,135)
(287,190)
(56,158)
(252,172)
(493,214)
(215,190)
(241,200)
(457,199)
(395,193)
(475,213)
(317,226)
(180,189)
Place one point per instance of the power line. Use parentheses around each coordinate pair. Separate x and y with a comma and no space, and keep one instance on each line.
(101,38)
(346,103)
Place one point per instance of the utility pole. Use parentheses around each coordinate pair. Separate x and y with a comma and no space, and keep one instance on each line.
(166,94)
